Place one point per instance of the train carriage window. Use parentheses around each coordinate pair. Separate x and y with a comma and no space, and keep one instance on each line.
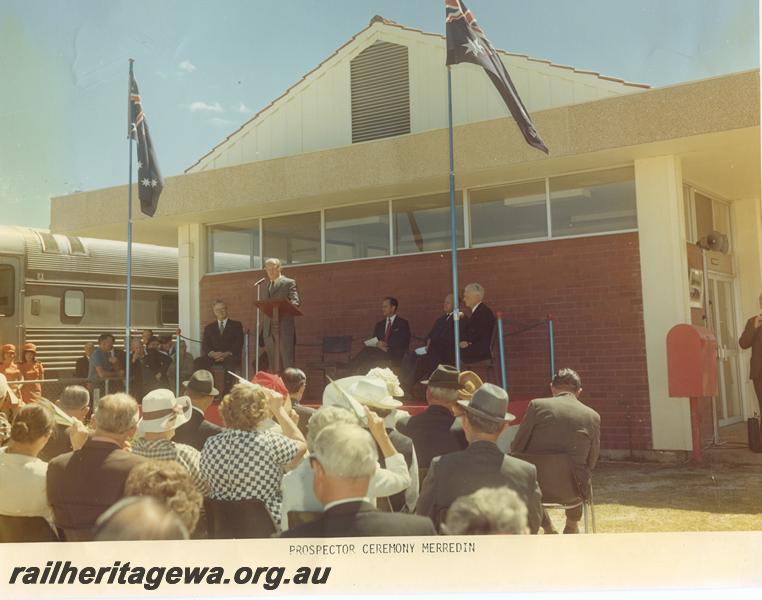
(169,310)
(49,243)
(7,290)
(74,303)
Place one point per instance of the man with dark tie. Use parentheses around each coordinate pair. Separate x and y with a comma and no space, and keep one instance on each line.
(222,342)
(391,337)
(279,286)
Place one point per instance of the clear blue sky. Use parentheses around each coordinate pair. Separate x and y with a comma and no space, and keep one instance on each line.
(204,67)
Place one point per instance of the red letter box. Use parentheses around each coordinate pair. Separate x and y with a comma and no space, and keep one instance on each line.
(691,361)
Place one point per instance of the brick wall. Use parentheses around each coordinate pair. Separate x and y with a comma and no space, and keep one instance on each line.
(591,286)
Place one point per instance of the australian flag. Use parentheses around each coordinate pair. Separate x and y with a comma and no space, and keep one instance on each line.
(150,182)
(466,42)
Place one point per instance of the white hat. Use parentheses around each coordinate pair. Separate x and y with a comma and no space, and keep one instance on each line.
(391,380)
(373,392)
(6,389)
(163,412)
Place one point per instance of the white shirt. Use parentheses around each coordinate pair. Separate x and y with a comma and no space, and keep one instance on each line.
(222,324)
(22,486)
(346,501)
(473,310)
(298,493)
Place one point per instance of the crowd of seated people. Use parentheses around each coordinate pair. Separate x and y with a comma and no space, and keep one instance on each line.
(364,466)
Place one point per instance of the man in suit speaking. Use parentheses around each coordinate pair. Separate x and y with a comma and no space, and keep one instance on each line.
(279,286)
(222,342)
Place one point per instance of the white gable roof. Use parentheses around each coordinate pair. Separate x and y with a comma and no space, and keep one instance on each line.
(315,113)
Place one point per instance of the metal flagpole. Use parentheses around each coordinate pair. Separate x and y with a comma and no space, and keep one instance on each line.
(128,326)
(453,228)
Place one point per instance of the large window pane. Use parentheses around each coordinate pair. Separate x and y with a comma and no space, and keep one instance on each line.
(357,231)
(234,247)
(7,291)
(294,239)
(423,224)
(596,202)
(507,213)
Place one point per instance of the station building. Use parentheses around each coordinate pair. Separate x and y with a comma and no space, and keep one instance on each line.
(345,178)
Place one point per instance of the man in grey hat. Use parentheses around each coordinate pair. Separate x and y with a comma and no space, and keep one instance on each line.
(433,431)
(201,391)
(482,464)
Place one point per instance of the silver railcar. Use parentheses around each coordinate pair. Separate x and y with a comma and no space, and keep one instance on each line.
(60,292)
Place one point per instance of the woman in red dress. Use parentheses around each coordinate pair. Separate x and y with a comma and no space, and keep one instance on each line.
(31,370)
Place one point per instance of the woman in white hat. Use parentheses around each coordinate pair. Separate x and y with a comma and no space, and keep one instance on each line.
(162,414)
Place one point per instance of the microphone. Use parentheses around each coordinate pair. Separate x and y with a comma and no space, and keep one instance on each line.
(260,281)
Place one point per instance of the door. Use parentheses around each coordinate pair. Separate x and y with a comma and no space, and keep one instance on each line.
(722,312)
(10,306)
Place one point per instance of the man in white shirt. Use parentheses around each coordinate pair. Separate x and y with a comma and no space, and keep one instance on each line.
(344,460)
(297,485)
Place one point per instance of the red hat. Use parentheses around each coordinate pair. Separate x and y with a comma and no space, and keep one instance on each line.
(8,348)
(29,347)
(271,382)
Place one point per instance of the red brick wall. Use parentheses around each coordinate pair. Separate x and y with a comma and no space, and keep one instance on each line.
(591,286)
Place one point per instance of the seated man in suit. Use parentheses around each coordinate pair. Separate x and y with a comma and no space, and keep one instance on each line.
(83,484)
(482,464)
(295,381)
(433,431)
(476,344)
(562,425)
(344,460)
(222,343)
(201,391)
(75,402)
(393,335)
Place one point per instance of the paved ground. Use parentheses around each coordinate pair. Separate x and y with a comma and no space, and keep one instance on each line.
(640,497)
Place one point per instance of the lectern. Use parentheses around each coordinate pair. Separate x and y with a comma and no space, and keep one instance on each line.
(275,309)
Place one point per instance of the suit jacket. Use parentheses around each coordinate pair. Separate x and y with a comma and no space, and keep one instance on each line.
(442,339)
(59,443)
(196,431)
(433,433)
(283,287)
(231,339)
(399,339)
(561,425)
(83,484)
(752,338)
(480,465)
(478,331)
(361,519)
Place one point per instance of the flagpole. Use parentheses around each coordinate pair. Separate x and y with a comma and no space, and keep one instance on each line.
(453,227)
(128,326)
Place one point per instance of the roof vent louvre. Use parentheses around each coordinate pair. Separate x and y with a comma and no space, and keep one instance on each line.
(380,82)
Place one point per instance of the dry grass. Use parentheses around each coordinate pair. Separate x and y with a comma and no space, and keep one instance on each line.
(641,497)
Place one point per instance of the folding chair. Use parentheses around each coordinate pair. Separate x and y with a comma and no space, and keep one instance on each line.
(558,483)
(300,517)
(26,529)
(234,519)
(332,347)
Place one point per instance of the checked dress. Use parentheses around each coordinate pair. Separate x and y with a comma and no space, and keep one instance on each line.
(241,465)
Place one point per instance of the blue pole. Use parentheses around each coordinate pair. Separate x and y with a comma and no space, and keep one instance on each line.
(128,326)
(453,228)
(177,363)
(552,344)
(501,347)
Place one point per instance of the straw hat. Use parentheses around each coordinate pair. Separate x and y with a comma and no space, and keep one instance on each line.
(163,412)
(468,382)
